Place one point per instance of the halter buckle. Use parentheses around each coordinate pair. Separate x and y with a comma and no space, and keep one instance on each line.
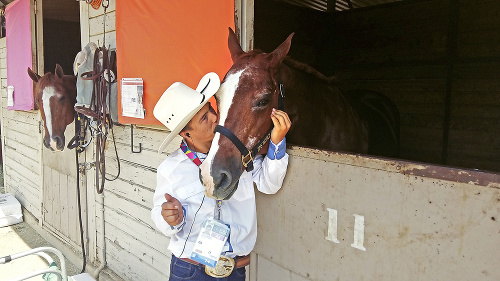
(246,162)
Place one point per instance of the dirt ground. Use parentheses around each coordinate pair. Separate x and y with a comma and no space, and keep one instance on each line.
(19,238)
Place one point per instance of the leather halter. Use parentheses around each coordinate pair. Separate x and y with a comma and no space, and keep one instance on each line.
(247,156)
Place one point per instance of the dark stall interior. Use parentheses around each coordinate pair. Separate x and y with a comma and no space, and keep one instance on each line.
(61,34)
(438,60)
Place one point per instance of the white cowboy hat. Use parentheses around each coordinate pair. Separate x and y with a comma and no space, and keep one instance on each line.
(179,103)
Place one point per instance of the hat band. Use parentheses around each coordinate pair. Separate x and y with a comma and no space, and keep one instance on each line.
(201,92)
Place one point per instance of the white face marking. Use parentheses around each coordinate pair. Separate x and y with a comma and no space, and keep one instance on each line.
(252,141)
(225,96)
(48,92)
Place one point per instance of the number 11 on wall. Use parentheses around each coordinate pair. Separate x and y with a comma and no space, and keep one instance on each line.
(359,229)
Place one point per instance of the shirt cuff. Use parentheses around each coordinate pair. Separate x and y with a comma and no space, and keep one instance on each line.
(183,222)
(276,151)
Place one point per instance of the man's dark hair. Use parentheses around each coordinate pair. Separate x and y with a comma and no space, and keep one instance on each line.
(187,127)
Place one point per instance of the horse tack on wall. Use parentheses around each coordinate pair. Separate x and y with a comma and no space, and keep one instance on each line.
(322,115)
(84,67)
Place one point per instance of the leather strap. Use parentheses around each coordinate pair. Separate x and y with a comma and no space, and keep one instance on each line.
(240,261)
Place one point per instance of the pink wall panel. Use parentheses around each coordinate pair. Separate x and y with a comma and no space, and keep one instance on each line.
(19,56)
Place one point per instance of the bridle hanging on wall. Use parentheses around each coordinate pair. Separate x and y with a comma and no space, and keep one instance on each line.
(101,122)
(100,91)
(96,99)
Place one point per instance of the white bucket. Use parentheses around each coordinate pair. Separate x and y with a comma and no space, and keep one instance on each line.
(10,210)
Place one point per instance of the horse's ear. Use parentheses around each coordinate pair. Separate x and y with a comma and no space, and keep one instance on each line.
(234,45)
(280,53)
(33,75)
(59,71)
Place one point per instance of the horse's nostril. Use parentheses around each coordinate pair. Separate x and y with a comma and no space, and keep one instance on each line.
(224,180)
(46,143)
(59,142)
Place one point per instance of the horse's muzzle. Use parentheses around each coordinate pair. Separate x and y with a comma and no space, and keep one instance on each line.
(55,143)
(224,178)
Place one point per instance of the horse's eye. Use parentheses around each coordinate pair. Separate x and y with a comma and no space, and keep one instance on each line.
(263,102)
(61,99)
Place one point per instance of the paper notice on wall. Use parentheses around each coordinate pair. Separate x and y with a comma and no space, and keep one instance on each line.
(132,93)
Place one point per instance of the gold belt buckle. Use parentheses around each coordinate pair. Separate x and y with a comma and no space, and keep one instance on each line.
(222,269)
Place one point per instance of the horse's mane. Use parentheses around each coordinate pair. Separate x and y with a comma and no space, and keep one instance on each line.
(308,69)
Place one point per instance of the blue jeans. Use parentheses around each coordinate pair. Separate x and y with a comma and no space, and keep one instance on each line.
(181,270)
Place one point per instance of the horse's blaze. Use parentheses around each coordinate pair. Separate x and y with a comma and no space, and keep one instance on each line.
(219,178)
(52,141)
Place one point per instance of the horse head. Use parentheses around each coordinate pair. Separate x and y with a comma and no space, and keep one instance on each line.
(245,99)
(55,96)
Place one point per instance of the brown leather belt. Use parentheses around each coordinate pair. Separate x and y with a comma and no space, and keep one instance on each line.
(240,261)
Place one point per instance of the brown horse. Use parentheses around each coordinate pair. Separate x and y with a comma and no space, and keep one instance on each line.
(55,96)
(322,116)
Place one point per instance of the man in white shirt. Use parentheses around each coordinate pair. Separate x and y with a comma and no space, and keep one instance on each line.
(180,205)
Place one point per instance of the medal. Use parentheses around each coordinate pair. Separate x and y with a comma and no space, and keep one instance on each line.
(224,267)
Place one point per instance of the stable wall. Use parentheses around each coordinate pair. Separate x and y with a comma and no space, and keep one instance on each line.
(348,217)
(20,148)
(403,206)
(134,249)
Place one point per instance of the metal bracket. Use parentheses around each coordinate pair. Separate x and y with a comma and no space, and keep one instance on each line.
(82,167)
(132,141)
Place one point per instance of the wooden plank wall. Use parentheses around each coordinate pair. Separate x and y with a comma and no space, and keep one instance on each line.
(20,148)
(135,250)
(415,53)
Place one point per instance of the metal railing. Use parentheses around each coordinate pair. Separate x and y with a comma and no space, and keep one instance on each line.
(61,274)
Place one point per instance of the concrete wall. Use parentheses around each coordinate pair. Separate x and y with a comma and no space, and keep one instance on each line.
(348,217)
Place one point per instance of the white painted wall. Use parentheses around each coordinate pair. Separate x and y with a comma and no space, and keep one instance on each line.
(21,148)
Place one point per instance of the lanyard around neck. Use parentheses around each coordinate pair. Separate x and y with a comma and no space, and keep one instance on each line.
(190,154)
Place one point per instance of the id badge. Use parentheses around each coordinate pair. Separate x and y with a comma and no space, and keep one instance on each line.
(210,242)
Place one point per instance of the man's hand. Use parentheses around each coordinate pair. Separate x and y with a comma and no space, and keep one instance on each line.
(172,210)
(281,123)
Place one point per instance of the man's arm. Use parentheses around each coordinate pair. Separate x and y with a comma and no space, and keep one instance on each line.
(269,172)
(167,213)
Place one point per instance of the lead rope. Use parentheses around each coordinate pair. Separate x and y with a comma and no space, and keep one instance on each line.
(80,210)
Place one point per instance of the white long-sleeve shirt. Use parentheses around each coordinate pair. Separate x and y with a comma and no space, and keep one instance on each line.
(179,176)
